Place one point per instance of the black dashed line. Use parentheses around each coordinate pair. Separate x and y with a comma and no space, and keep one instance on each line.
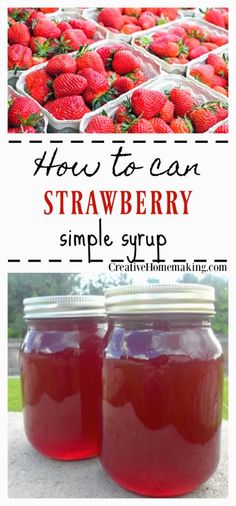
(158,261)
(96,261)
(55,260)
(117,260)
(160,142)
(97,142)
(14,142)
(200,260)
(12,260)
(118,142)
(180,142)
(221,142)
(220,260)
(180,261)
(139,142)
(34,260)
(35,142)
(201,142)
(56,142)
(75,260)
(76,142)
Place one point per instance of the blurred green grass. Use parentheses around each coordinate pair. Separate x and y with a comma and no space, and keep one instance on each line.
(15,404)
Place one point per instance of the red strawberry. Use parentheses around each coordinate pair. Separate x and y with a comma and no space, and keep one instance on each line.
(169,12)
(219,81)
(111,17)
(23,110)
(86,58)
(203,73)
(98,85)
(63,26)
(46,28)
(48,10)
(160,126)
(164,49)
(219,64)
(209,45)
(138,77)
(141,126)
(107,52)
(221,111)
(222,129)
(125,62)
(219,40)
(19,34)
(147,103)
(100,124)
(203,118)
(181,125)
(130,28)
(183,101)
(191,42)
(167,111)
(37,60)
(132,11)
(124,113)
(33,18)
(123,84)
(215,17)
(67,108)
(38,84)
(196,31)
(198,51)
(147,20)
(88,27)
(69,84)
(22,130)
(19,57)
(73,39)
(60,64)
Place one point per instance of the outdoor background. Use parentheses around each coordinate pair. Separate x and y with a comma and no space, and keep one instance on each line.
(23,285)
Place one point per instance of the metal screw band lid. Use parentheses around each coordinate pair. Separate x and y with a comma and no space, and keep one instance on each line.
(64,306)
(159,298)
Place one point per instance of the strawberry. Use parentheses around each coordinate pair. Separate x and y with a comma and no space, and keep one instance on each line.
(125,62)
(182,100)
(138,77)
(96,93)
(86,58)
(33,18)
(196,31)
(67,108)
(203,73)
(46,28)
(147,20)
(219,64)
(169,12)
(164,49)
(107,52)
(41,46)
(181,125)
(123,84)
(124,113)
(111,17)
(167,111)
(63,26)
(100,124)
(203,117)
(191,42)
(221,110)
(197,51)
(22,129)
(219,81)
(23,110)
(37,60)
(141,126)
(209,45)
(38,85)
(69,84)
(219,40)
(19,34)
(72,40)
(130,28)
(160,126)
(60,64)
(222,129)
(132,11)
(147,103)
(19,57)
(48,10)
(215,17)
(88,27)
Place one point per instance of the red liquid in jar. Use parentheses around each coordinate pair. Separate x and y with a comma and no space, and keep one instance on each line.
(61,386)
(161,421)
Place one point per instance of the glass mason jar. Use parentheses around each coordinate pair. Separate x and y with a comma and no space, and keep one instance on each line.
(162,389)
(61,369)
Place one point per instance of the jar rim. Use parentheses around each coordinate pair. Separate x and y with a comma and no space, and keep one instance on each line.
(63,306)
(182,298)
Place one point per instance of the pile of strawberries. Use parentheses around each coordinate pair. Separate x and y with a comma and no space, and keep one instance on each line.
(34,39)
(218,17)
(213,72)
(182,43)
(150,111)
(24,116)
(69,87)
(129,20)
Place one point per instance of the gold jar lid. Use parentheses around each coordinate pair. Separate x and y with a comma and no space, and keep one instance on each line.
(159,298)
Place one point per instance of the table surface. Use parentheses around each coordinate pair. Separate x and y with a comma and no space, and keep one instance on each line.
(33,476)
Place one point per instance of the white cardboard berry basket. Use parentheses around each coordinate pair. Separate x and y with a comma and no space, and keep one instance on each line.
(165,83)
(224,122)
(177,68)
(151,69)
(14,94)
(101,34)
(93,14)
(199,15)
(201,60)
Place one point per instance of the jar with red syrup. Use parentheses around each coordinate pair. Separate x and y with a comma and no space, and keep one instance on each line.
(61,369)
(162,389)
